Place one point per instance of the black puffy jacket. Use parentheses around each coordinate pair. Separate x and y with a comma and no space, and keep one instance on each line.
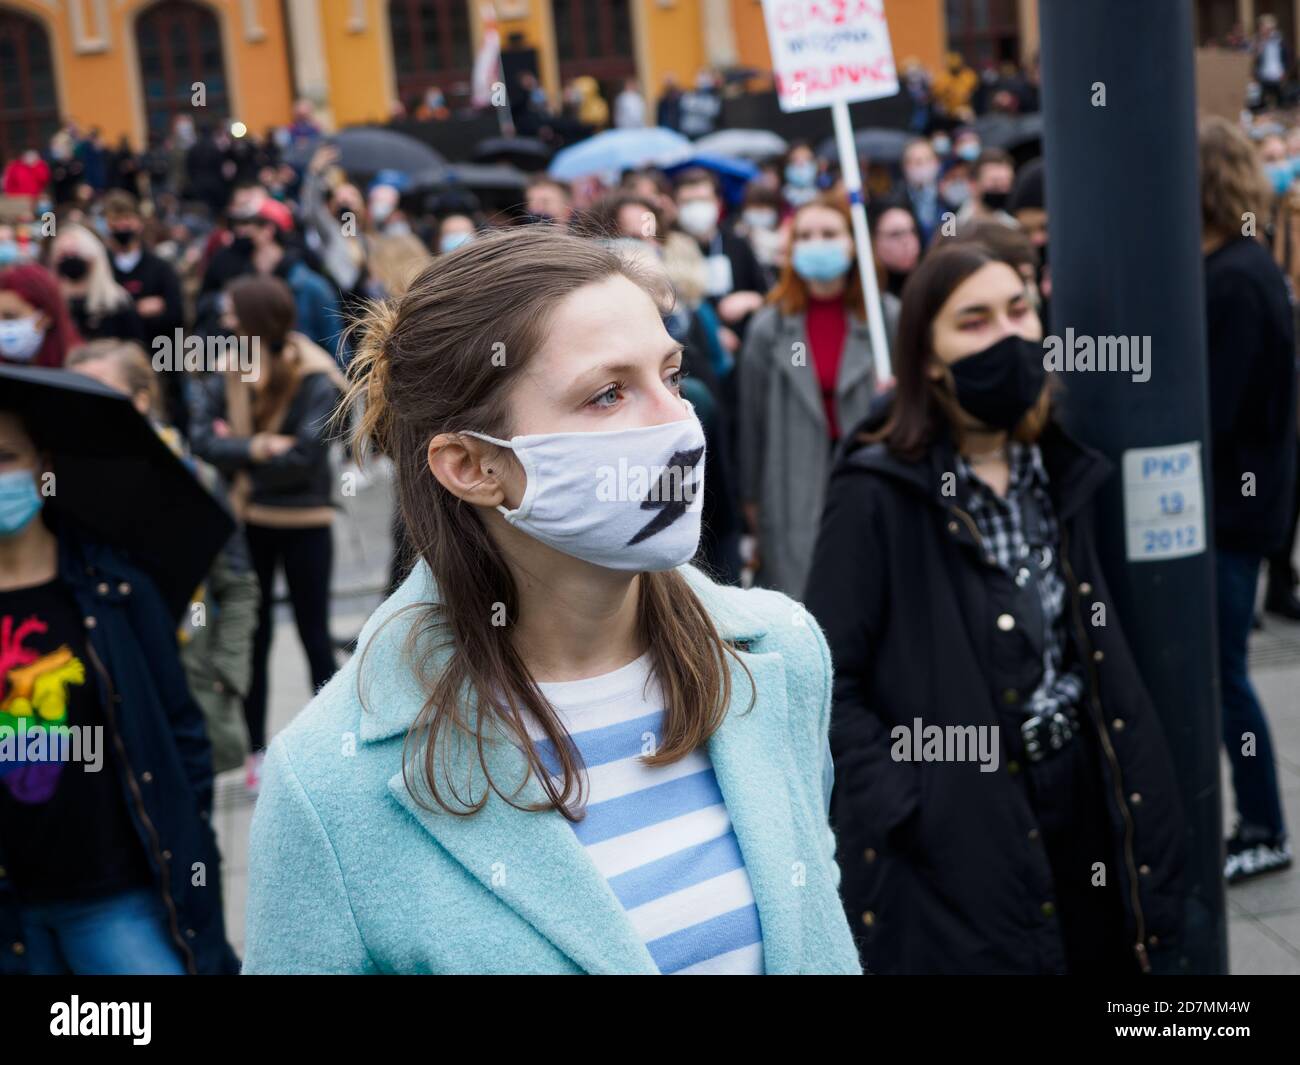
(944,870)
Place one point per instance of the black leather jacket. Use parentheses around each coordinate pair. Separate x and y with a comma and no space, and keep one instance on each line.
(300,478)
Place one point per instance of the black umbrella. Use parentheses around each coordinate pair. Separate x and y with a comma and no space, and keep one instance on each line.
(876,144)
(114,476)
(366,150)
(483,176)
(1009,131)
(527,153)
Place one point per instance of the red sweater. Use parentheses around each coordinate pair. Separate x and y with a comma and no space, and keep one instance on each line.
(23,180)
(827,322)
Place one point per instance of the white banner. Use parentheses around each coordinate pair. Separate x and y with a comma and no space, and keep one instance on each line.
(487,64)
(828,51)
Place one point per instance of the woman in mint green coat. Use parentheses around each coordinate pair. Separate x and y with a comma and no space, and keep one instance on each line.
(560,747)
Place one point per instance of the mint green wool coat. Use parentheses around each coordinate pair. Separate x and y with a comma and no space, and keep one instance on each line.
(349,874)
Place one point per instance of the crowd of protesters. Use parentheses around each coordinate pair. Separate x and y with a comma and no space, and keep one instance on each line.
(693,321)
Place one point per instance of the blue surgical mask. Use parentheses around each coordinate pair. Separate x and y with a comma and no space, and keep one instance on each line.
(9,252)
(956,192)
(820,260)
(20,339)
(801,175)
(968,150)
(452,241)
(20,502)
(1280,174)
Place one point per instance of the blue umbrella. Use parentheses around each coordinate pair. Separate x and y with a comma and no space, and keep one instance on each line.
(735,174)
(610,153)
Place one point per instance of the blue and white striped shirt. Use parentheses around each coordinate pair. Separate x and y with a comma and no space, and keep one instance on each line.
(660,835)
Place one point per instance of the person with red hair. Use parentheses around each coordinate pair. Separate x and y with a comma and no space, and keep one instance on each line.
(34,324)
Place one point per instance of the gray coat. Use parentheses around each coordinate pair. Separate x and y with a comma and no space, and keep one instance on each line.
(784,440)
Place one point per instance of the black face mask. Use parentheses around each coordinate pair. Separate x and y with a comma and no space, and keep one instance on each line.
(995,201)
(242,245)
(999,384)
(122,237)
(74,268)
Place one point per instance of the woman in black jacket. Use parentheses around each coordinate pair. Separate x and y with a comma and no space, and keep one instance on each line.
(101,851)
(1250,344)
(267,430)
(1004,800)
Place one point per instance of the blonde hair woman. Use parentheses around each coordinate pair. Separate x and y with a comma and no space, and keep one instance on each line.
(99,306)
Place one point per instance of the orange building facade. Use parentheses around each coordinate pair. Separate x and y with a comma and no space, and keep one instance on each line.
(128,66)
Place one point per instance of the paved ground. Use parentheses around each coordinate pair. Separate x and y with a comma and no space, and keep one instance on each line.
(1264,917)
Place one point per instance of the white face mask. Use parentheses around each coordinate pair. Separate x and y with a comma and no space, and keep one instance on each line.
(920,175)
(625,499)
(698,217)
(20,339)
(126,261)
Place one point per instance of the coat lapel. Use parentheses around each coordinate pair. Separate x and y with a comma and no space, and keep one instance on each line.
(801,373)
(533,861)
(747,753)
(856,363)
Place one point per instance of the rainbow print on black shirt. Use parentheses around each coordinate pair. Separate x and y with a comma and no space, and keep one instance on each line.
(33,695)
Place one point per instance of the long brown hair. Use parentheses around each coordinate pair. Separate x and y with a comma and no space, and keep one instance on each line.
(1233,183)
(425,365)
(790,292)
(266,311)
(924,407)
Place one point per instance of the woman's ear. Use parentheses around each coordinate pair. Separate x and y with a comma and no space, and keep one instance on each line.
(461,464)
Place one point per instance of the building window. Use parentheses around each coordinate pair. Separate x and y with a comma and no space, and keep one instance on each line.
(594,37)
(431,46)
(29,106)
(984,31)
(179,43)
(1215,20)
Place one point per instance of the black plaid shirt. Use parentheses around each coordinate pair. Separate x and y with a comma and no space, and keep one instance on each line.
(1015,537)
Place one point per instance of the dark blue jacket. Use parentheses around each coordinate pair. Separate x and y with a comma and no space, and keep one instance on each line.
(162,752)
